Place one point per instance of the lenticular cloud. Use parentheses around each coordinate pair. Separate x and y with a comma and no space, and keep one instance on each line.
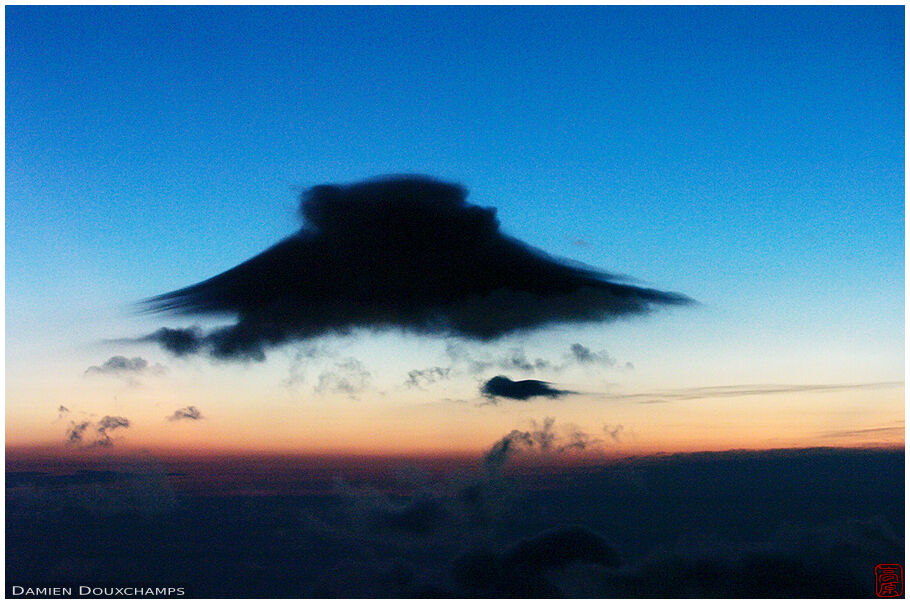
(401,252)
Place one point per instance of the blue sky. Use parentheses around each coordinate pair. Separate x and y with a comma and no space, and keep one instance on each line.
(752,158)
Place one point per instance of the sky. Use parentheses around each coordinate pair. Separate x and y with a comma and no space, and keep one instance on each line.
(750,159)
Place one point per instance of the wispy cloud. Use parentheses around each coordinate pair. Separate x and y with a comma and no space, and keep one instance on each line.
(347,377)
(861,432)
(708,392)
(462,361)
(418,378)
(302,358)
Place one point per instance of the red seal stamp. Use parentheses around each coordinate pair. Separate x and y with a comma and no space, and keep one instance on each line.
(889,580)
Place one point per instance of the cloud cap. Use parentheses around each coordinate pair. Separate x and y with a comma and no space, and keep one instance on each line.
(406,252)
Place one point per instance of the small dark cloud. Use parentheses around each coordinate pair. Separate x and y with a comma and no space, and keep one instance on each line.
(522,390)
(347,377)
(109,422)
(121,366)
(423,377)
(191,413)
(95,434)
(582,354)
(518,360)
(74,434)
(405,252)
(61,409)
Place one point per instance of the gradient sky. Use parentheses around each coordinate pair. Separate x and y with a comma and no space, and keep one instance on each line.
(751,158)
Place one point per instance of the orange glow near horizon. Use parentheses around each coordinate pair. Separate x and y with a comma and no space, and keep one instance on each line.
(792,420)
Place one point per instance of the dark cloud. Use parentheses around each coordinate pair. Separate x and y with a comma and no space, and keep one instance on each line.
(191,413)
(95,434)
(405,252)
(424,377)
(501,386)
(347,377)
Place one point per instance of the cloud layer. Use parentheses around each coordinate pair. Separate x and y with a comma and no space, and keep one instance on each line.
(782,524)
(404,252)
